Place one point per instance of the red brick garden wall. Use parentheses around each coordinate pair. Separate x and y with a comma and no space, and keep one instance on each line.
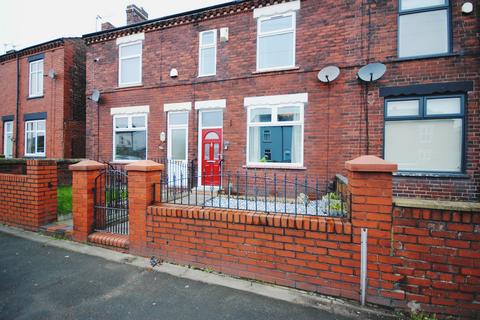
(440,259)
(29,201)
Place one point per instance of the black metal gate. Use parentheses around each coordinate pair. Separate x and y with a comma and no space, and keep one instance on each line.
(111,201)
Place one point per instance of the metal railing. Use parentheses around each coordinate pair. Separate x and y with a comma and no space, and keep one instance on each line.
(254,190)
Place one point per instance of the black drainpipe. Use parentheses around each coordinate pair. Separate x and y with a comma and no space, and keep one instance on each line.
(18,106)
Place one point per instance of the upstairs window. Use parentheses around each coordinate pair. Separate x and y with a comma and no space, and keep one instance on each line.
(130,64)
(276,42)
(423,28)
(36,79)
(425,134)
(207,53)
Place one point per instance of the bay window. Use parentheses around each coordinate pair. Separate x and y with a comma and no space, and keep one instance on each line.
(35,138)
(275,135)
(425,134)
(130,137)
(423,28)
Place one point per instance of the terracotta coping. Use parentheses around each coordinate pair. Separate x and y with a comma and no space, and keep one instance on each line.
(370,164)
(144,166)
(86,165)
(437,204)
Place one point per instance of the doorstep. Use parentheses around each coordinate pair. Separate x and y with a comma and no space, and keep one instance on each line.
(109,240)
(63,228)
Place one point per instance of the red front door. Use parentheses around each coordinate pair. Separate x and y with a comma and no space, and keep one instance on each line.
(211,156)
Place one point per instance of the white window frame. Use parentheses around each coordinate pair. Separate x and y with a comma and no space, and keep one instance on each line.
(276,123)
(169,133)
(38,75)
(129,129)
(5,137)
(274,33)
(120,58)
(36,131)
(200,47)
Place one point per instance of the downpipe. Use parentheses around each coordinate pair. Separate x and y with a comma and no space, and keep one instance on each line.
(363,265)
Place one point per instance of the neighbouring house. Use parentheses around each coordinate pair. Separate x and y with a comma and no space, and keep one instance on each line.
(42,100)
(235,86)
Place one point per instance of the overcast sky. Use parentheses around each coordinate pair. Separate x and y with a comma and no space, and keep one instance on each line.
(24,23)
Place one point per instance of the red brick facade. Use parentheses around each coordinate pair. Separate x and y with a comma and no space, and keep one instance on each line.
(333,33)
(29,200)
(63,98)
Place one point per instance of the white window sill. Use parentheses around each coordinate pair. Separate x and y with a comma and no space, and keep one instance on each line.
(206,75)
(122,86)
(125,161)
(271,166)
(34,155)
(276,69)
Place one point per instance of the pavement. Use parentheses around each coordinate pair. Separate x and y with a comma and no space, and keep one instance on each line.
(57,279)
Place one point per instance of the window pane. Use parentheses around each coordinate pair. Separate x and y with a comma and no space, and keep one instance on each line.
(131,145)
(130,72)
(138,122)
(41,142)
(423,33)
(418,4)
(212,136)
(280,144)
(276,23)
(289,114)
(424,145)
(33,84)
(179,143)
(41,125)
(130,50)
(275,51)
(207,61)
(261,115)
(206,151)
(121,122)
(208,38)
(403,108)
(212,119)
(178,118)
(30,143)
(444,106)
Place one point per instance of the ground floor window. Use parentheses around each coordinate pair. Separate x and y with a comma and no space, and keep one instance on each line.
(275,135)
(130,137)
(425,134)
(35,138)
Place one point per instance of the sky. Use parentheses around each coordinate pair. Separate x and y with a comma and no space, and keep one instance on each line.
(24,23)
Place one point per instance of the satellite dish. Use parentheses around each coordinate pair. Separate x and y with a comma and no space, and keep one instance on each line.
(372,72)
(95,95)
(51,74)
(328,74)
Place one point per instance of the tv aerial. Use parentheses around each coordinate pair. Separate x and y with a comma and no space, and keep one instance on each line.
(372,72)
(328,74)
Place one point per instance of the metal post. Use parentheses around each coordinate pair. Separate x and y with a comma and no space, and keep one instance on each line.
(363,264)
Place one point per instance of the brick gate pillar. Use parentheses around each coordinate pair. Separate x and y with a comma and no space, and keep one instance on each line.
(83,183)
(142,176)
(370,186)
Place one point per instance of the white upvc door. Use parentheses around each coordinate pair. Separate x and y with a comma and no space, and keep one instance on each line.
(177,153)
(8,139)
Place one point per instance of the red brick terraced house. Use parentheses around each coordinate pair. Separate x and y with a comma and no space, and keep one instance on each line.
(42,100)
(235,86)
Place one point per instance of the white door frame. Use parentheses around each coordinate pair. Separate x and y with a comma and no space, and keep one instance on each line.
(170,127)
(5,133)
(199,150)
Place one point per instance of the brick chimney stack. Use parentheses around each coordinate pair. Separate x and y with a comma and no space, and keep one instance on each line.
(136,14)
(107,26)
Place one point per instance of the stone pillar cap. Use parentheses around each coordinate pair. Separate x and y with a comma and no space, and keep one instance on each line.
(86,165)
(144,166)
(370,164)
